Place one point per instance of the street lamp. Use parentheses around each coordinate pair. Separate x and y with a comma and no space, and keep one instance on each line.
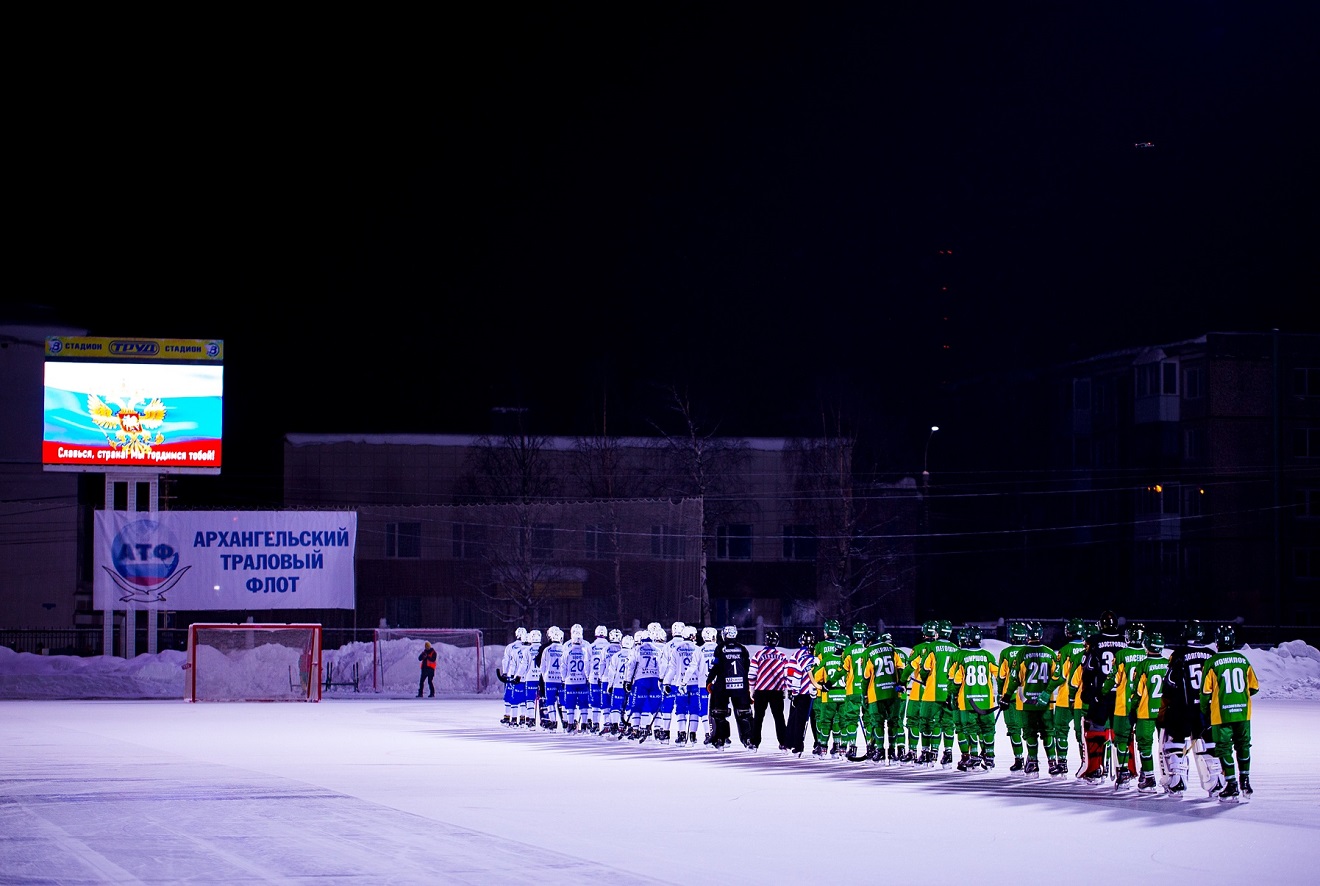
(925,459)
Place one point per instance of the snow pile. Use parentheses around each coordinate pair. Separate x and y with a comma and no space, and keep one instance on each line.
(24,675)
(1290,670)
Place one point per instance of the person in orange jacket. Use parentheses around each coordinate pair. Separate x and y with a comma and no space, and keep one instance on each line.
(427,658)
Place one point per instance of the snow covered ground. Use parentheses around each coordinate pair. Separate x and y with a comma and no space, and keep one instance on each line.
(373,788)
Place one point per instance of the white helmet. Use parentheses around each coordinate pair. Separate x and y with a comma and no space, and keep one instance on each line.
(690,632)
(626,641)
(676,630)
(575,632)
(520,634)
(616,635)
(639,636)
(534,638)
(730,632)
(556,634)
(656,633)
(708,635)
(602,631)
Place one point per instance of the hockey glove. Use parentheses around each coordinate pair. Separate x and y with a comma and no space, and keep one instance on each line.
(1004,703)
(627,687)
(517,680)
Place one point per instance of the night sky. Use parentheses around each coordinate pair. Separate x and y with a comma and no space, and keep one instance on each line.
(396,226)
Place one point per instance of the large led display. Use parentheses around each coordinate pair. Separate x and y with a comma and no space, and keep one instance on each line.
(145,405)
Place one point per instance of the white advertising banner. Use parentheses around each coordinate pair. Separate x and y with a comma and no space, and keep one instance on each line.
(204,560)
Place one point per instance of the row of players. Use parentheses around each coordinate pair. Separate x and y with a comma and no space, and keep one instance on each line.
(1107,689)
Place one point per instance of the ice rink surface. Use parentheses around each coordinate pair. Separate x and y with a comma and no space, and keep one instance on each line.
(360,789)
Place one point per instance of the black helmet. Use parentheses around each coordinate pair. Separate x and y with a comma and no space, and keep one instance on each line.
(806,638)
(1108,622)
(1226,638)
(772,638)
(973,636)
(1191,632)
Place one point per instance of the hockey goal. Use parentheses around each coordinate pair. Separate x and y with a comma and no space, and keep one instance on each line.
(253,662)
(460,659)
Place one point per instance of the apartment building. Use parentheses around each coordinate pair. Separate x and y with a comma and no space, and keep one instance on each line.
(1167,481)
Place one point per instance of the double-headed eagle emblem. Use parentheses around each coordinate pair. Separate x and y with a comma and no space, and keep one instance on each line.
(126,426)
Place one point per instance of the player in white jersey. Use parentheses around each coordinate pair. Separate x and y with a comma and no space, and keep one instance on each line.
(577,664)
(531,678)
(698,674)
(675,686)
(601,647)
(511,690)
(551,660)
(643,675)
(613,676)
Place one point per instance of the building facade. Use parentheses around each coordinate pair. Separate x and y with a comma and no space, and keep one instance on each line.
(492,531)
(1170,481)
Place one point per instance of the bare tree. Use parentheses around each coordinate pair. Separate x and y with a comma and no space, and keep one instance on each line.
(861,559)
(511,472)
(607,476)
(704,466)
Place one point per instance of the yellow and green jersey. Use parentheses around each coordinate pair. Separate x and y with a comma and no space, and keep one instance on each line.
(1069,659)
(886,668)
(932,669)
(1227,684)
(1118,679)
(1145,681)
(858,667)
(1034,679)
(974,676)
(830,674)
(1008,662)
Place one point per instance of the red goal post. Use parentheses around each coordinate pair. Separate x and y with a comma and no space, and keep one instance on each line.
(460,659)
(253,662)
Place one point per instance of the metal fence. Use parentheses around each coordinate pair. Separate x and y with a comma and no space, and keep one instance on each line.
(87,641)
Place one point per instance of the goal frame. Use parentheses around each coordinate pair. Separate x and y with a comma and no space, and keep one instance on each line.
(380,662)
(309,664)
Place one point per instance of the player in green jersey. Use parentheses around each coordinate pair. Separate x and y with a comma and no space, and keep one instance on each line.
(1227,685)
(832,678)
(974,679)
(1118,680)
(883,716)
(1031,684)
(930,666)
(858,677)
(1008,662)
(1063,717)
(1145,694)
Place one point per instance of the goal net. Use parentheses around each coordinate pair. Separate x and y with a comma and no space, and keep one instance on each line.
(253,662)
(460,664)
